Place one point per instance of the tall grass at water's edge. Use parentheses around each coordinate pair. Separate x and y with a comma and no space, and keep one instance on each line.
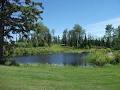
(42,50)
(103,56)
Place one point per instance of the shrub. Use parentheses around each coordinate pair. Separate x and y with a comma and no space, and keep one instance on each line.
(108,50)
(99,58)
(10,62)
(116,59)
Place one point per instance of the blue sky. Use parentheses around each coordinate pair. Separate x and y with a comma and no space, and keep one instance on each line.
(92,15)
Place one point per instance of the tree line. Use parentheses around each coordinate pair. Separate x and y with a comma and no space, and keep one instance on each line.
(76,37)
(79,39)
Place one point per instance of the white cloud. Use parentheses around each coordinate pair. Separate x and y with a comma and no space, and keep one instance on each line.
(98,29)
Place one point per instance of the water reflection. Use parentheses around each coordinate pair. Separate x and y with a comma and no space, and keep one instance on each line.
(61,59)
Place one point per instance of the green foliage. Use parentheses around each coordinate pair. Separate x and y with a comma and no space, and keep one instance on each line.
(74,37)
(64,37)
(109,30)
(17,16)
(116,59)
(108,50)
(42,50)
(20,17)
(116,43)
(10,62)
(99,58)
(41,36)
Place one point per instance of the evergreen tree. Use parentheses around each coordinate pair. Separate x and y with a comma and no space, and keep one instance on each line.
(17,16)
(117,39)
(64,39)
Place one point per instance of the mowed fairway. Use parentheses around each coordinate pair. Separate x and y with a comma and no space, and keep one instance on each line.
(47,77)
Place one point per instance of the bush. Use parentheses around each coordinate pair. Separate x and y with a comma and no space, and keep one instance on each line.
(99,58)
(10,62)
(116,59)
(108,50)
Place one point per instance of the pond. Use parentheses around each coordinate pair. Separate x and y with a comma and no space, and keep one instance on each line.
(74,59)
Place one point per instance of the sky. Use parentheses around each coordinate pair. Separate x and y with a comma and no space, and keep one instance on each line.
(92,15)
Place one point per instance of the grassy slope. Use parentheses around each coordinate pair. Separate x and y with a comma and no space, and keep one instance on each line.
(46,77)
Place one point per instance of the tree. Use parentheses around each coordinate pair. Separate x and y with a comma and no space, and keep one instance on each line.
(64,39)
(78,35)
(117,39)
(77,30)
(42,35)
(109,32)
(53,35)
(17,16)
(85,43)
(74,37)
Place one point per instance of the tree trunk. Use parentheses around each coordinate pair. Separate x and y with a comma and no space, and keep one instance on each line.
(1,45)
(2,33)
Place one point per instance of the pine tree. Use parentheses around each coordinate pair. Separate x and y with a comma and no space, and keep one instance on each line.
(117,39)
(17,16)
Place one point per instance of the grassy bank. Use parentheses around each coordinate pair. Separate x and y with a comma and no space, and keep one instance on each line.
(46,77)
(43,50)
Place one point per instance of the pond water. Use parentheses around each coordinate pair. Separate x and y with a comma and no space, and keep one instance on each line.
(59,59)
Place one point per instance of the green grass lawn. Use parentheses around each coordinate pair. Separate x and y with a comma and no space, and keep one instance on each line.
(47,77)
